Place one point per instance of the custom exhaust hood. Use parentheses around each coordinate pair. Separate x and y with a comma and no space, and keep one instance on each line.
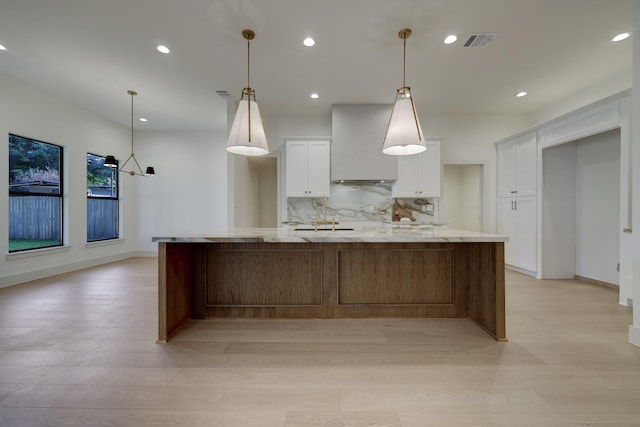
(356,149)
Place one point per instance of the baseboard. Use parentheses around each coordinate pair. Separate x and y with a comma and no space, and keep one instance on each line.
(634,335)
(597,282)
(146,254)
(65,268)
(521,270)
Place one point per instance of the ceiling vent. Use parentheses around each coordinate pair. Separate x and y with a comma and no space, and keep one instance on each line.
(479,39)
(223,94)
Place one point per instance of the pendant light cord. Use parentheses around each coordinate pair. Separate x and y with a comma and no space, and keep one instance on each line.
(248,62)
(132,94)
(404,61)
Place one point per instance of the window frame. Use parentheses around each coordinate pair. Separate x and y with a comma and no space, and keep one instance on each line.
(93,197)
(59,194)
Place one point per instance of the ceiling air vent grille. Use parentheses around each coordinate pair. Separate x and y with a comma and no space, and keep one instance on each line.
(479,39)
(223,94)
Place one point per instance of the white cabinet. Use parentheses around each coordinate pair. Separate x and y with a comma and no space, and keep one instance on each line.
(308,168)
(517,166)
(517,219)
(517,205)
(419,174)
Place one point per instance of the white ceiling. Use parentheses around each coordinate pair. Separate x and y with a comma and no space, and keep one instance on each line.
(92,51)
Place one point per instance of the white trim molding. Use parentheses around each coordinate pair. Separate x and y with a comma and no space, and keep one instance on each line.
(634,335)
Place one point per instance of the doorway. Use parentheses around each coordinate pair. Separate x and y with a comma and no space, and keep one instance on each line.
(264,175)
(581,209)
(462,190)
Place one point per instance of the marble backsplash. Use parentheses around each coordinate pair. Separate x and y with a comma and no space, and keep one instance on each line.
(356,201)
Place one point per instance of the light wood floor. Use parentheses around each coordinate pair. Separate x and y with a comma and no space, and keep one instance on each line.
(79,350)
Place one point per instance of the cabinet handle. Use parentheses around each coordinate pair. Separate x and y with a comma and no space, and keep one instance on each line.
(515,202)
(627,230)
(512,205)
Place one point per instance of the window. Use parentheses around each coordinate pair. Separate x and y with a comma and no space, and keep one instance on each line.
(102,200)
(35,194)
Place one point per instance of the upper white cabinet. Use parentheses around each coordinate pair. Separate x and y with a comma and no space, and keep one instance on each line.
(517,167)
(419,174)
(308,168)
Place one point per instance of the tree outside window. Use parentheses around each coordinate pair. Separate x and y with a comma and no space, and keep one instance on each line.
(102,200)
(35,194)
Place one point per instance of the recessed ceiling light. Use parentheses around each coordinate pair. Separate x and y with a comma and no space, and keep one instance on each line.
(521,94)
(163,49)
(142,119)
(620,37)
(309,42)
(451,38)
(2,47)
(315,96)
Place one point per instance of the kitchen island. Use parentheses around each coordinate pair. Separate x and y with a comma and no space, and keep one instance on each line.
(362,273)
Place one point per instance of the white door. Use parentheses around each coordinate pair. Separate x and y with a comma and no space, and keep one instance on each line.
(507,227)
(296,169)
(507,169)
(525,227)
(527,169)
(406,184)
(319,169)
(429,171)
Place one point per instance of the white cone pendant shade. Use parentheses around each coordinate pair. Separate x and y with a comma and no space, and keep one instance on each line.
(247,133)
(247,121)
(404,135)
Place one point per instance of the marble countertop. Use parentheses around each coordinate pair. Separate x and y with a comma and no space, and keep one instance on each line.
(373,234)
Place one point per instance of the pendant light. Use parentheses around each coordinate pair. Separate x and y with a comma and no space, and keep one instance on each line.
(247,135)
(404,135)
(110,161)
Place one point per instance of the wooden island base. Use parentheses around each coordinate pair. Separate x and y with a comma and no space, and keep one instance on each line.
(252,279)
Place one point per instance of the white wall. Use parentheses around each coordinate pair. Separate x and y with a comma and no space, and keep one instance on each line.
(277,128)
(188,194)
(451,207)
(246,190)
(29,112)
(634,329)
(471,197)
(462,197)
(266,168)
(615,83)
(559,212)
(597,206)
